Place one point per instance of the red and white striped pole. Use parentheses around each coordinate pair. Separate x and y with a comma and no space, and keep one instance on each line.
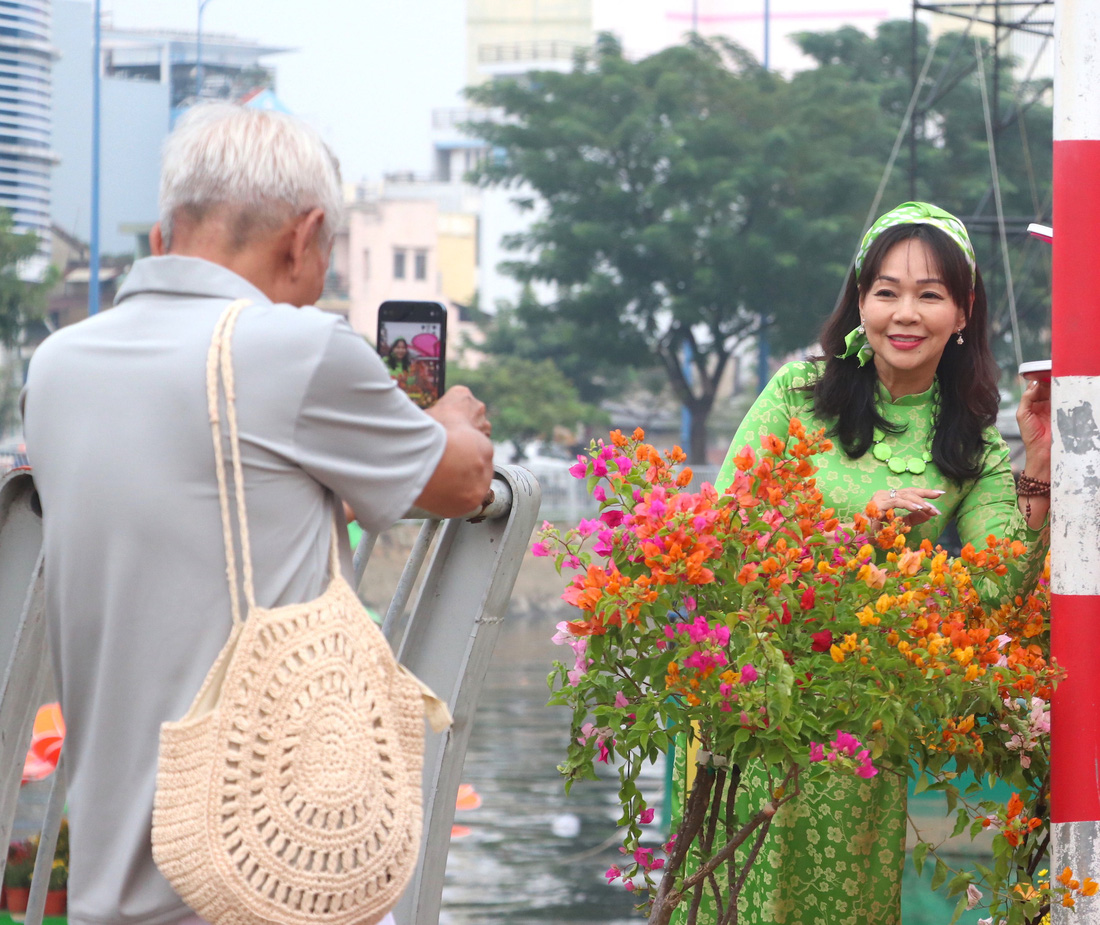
(1075,505)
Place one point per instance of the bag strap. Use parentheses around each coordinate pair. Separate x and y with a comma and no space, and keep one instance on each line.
(219,371)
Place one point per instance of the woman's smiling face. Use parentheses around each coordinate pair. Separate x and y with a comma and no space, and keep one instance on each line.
(909,314)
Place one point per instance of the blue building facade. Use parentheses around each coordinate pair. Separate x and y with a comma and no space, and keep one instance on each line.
(27,56)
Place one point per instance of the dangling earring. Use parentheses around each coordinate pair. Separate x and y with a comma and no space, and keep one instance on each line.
(860,327)
(960,340)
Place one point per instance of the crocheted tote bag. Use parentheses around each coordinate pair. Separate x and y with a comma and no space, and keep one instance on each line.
(291,791)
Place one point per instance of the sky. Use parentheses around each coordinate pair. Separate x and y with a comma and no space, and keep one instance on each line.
(366,73)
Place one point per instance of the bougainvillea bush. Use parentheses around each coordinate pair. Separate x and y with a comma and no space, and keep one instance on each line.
(777,638)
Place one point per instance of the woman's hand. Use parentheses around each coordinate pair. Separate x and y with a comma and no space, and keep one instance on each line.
(1033,416)
(917,501)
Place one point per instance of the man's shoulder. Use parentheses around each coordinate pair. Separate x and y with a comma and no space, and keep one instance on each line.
(279,321)
(63,340)
(304,333)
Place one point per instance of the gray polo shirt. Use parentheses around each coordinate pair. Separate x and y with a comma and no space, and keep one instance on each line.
(138,606)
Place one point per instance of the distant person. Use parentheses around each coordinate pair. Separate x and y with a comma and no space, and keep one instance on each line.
(118,434)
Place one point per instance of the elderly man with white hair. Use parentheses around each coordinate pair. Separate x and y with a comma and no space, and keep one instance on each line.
(118,435)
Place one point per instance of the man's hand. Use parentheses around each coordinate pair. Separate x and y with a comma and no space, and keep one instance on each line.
(461,480)
(459,405)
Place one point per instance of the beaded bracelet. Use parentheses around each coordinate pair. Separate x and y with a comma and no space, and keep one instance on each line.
(1028,488)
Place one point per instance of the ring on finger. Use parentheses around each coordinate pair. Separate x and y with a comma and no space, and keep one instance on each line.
(893,493)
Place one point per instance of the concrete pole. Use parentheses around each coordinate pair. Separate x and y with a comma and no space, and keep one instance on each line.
(1075,505)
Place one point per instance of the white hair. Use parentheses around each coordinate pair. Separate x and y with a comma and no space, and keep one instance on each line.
(256,167)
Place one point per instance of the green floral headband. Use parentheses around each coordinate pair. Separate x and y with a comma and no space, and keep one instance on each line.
(918,213)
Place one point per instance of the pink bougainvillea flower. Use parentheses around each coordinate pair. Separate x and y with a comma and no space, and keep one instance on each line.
(645,817)
(588,527)
(748,674)
(973,896)
(540,549)
(562,637)
(599,493)
(817,751)
(822,641)
(579,469)
(620,700)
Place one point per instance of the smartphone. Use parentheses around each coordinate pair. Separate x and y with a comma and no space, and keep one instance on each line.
(1036,369)
(412,342)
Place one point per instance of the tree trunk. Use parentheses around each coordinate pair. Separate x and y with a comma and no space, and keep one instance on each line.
(697,451)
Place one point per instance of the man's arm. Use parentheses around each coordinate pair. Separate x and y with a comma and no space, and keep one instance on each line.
(461,480)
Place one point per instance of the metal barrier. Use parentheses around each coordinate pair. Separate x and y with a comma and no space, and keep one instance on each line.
(446,639)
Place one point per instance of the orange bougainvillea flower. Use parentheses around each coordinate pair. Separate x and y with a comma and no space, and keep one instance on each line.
(673,588)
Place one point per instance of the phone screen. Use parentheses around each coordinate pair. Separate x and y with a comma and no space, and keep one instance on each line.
(412,338)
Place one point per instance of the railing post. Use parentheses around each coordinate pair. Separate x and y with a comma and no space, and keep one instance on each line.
(1075,505)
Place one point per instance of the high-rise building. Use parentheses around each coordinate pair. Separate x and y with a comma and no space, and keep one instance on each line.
(26,157)
(510,37)
(148,78)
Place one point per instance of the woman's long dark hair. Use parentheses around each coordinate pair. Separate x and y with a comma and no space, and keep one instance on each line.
(967,374)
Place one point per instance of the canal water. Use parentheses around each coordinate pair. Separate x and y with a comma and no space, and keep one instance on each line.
(535,855)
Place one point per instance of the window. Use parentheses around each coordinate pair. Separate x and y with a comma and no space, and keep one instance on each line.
(399,264)
(420,267)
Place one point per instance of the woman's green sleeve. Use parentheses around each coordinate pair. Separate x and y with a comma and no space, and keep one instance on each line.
(989,509)
(770,414)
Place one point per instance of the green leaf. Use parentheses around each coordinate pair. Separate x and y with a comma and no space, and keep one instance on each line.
(920,850)
(959,882)
(960,908)
(952,795)
(939,875)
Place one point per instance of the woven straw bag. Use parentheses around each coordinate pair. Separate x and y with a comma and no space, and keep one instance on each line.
(290,792)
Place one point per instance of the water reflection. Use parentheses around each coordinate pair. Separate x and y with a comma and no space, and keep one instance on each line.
(534,855)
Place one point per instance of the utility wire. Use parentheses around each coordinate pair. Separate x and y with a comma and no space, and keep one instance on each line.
(902,131)
(997,200)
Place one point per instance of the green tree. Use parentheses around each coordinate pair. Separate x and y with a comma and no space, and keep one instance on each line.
(527,400)
(686,196)
(685,200)
(20,301)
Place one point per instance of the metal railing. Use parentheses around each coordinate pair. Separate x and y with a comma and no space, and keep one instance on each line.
(459,575)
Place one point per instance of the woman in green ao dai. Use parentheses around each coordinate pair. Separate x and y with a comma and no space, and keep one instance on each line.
(907,390)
